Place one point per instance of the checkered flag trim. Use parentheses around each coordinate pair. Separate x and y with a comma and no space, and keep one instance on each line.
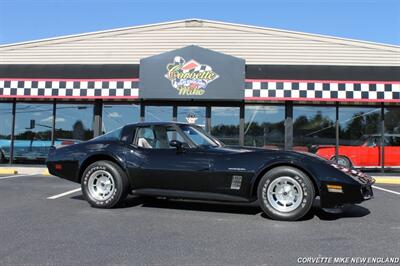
(102,89)
(203,68)
(353,91)
(179,60)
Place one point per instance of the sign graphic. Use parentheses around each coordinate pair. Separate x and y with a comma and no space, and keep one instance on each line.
(191,73)
(189,78)
(191,118)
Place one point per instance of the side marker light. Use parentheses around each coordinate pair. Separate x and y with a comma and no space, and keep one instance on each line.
(335,188)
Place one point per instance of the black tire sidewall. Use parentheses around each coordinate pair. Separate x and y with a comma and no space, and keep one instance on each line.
(120,182)
(306,186)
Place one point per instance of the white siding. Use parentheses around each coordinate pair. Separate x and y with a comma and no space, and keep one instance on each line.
(255,45)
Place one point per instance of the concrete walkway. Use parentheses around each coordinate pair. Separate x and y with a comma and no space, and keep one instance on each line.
(381,178)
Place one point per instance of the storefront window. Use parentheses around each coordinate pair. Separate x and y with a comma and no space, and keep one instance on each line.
(5,131)
(158,113)
(392,137)
(192,115)
(359,137)
(314,128)
(118,115)
(225,124)
(33,124)
(74,122)
(264,126)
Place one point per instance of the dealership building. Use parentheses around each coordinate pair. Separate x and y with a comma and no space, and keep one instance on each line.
(247,85)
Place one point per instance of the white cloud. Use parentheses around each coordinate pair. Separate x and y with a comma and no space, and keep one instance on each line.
(114,115)
(50,118)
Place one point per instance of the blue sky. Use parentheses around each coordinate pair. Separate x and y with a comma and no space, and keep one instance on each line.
(371,20)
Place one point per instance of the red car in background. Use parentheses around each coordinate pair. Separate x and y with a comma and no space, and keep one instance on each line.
(367,154)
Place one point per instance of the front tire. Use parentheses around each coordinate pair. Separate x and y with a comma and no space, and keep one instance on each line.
(104,184)
(285,193)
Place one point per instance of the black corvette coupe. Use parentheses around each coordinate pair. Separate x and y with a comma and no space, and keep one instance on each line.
(176,160)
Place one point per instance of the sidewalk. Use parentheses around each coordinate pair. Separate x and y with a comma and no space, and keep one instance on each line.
(381,178)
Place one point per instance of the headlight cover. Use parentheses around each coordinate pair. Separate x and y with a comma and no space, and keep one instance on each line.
(355,174)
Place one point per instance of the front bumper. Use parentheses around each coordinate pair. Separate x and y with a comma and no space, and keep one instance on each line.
(367,192)
(354,191)
(352,194)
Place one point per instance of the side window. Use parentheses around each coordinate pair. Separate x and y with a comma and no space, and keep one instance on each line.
(157,137)
(377,141)
(164,135)
(146,138)
(174,135)
(370,142)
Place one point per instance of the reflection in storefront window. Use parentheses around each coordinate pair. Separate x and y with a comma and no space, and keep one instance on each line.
(192,115)
(264,126)
(225,124)
(118,115)
(5,131)
(33,124)
(158,113)
(74,122)
(314,128)
(359,137)
(392,137)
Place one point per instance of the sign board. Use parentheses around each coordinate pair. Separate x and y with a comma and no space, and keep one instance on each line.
(192,72)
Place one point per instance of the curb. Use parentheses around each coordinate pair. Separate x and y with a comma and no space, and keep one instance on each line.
(46,172)
(386,180)
(8,171)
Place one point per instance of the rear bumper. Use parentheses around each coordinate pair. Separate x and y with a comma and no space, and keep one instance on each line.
(68,170)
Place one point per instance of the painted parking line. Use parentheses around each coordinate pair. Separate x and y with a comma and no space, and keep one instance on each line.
(64,193)
(387,190)
(387,180)
(12,176)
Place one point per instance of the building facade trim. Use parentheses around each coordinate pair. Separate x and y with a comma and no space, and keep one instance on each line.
(259,90)
(70,88)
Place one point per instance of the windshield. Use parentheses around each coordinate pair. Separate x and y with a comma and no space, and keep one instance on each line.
(199,136)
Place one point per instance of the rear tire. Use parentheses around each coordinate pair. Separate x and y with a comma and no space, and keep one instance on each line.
(285,193)
(104,184)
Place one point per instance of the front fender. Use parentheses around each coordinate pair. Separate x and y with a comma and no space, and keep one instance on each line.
(284,161)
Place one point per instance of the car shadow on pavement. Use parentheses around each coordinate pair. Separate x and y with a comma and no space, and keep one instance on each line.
(194,205)
(189,205)
(350,211)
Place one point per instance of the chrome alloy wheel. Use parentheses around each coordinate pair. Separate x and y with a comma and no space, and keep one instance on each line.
(101,185)
(285,194)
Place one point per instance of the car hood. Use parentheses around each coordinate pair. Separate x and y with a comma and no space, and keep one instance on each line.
(255,150)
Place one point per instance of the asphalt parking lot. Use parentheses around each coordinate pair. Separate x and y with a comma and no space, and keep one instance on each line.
(41,225)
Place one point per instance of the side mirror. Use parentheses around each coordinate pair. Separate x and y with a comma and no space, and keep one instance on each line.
(177,144)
